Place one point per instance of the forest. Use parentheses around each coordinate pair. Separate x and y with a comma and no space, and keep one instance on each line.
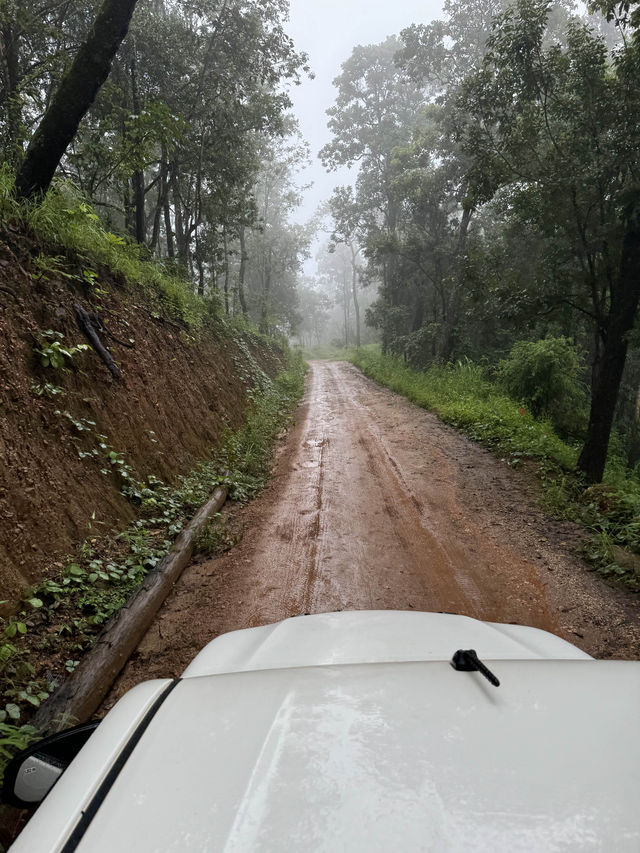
(496,203)
(187,150)
(493,213)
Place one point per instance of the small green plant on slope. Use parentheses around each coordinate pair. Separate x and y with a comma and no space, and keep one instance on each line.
(54,353)
(113,461)
(50,267)
(14,738)
(248,453)
(46,389)
(63,615)
(20,688)
(65,220)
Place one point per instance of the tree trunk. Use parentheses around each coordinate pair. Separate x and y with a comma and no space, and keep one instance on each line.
(181,239)
(452,309)
(80,695)
(160,205)
(354,291)
(137,182)
(418,311)
(390,266)
(633,445)
(200,265)
(137,179)
(625,295)
(171,252)
(243,271)
(74,96)
(225,244)
(345,302)
(127,204)
(263,326)
(10,47)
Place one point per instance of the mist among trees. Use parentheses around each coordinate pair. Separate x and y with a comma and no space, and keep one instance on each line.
(182,149)
(493,213)
(496,198)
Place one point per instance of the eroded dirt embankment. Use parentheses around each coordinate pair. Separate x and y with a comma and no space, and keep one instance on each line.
(179,390)
(375,504)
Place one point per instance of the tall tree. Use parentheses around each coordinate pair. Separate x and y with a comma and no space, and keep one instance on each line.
(348,230)
(376,110)
(36,39)
(625,13)
(334,266)
(73,98)
(552,126)
(276,246)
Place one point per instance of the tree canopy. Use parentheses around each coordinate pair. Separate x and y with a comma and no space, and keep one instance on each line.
(498,197)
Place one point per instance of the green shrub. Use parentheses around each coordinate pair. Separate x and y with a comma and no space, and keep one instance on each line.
(248,453)
(9,207)
(545,377)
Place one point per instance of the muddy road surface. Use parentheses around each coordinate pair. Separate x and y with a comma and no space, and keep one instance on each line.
(375,504)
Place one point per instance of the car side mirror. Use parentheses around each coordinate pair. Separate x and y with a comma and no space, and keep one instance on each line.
(32,773)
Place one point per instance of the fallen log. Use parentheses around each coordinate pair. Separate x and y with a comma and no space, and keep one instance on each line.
(81,694)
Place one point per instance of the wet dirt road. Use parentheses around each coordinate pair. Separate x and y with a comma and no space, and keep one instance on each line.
(369,518)
(375,504)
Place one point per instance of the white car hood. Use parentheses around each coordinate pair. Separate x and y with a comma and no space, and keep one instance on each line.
(383,757)
(378,636)
(362,750)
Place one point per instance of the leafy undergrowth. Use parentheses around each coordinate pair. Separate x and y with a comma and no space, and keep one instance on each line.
(463,396)
(61,617)
(248,453)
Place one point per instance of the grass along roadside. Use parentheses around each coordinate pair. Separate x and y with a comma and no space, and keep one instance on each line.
(71,242)
(61,617)
(462,395)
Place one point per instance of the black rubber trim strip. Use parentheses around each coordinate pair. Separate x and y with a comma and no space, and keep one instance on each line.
(98,798)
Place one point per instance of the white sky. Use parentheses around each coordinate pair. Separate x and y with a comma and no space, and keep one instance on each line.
(328,30)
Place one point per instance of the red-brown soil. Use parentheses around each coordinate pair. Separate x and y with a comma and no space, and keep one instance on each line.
(179,391)
(375,504)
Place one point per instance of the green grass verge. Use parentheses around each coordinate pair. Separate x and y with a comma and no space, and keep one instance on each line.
(463,396)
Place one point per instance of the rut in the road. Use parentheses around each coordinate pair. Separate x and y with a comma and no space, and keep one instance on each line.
(384,533)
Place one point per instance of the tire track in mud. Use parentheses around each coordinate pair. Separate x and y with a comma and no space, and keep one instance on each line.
(443,573)
(375,504)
